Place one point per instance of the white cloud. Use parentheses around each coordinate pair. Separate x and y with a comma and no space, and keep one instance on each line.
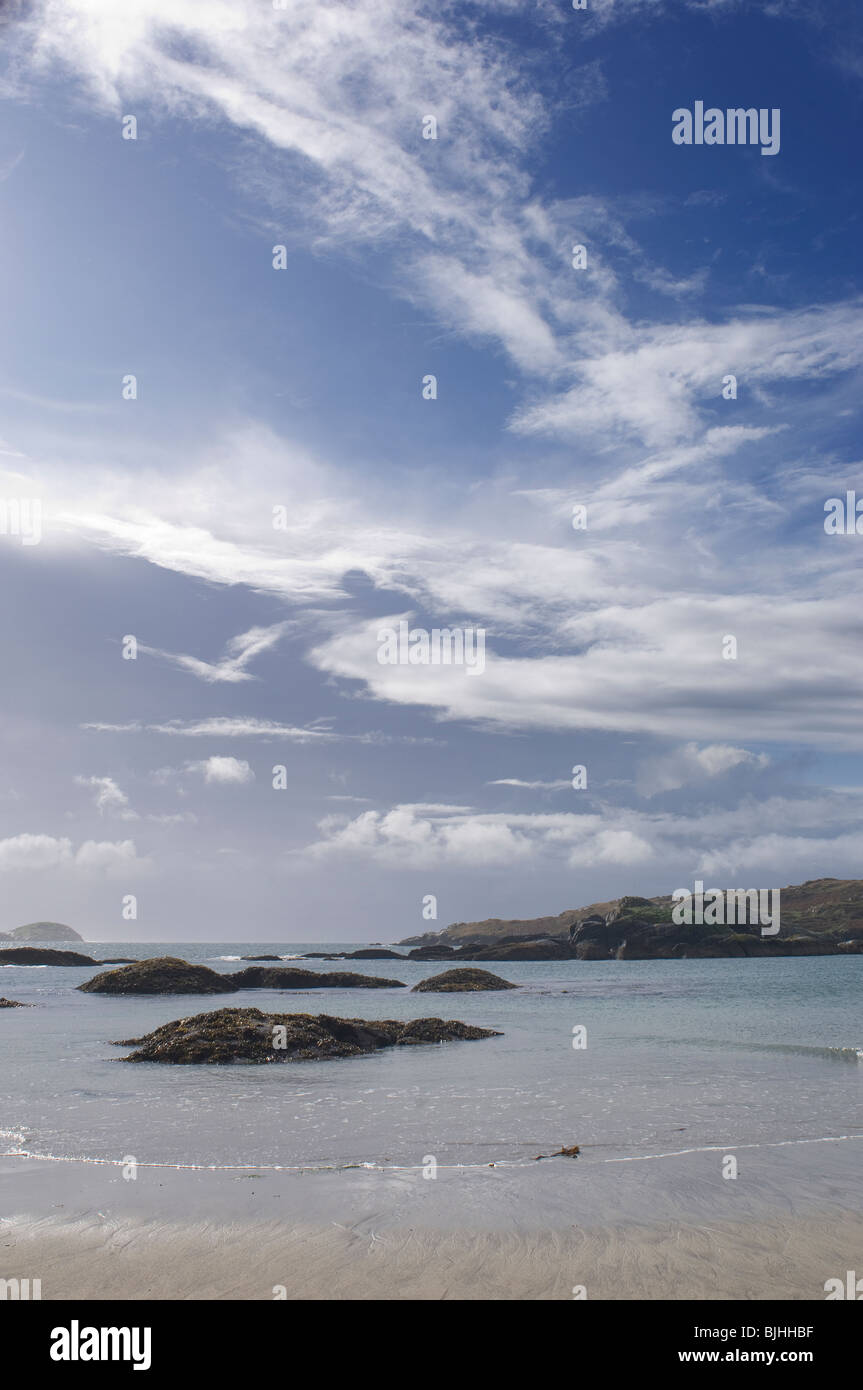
(621,628)
(38,852)
(239,651)
(34,852)
(530,786)
(107,855)
(656,382)
(679,767)
(651,665)
(779,838)
(109,798)
(248,726)
(225,771)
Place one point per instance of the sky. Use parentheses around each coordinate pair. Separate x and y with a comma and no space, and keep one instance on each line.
(231,258)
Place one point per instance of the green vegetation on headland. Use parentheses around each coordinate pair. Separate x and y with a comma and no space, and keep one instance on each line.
(821,917)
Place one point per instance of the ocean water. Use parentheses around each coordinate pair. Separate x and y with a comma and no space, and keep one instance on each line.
(680,1056)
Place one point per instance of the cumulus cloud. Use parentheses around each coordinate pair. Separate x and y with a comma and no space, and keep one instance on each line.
(225,771)
(29,852)
(106,855)
(783,838)
(679,767)
(34,852)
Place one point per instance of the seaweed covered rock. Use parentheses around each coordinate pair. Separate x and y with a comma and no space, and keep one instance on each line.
(14,1004)
(374,953)
(168,975)
(160,975)
(287,977)
(461,981)
(248,1035)
(36,955)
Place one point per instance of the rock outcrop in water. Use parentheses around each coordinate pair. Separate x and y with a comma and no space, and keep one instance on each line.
(14,1004)
(367,953)
(35,955)
(374,953)
(461,981)
(286,977)
(247,1035)
(169,975)
(159,975)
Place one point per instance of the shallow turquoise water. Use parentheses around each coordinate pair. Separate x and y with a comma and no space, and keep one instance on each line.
(680,1055)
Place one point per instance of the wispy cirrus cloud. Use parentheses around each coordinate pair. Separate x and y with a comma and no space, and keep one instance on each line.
(238,653)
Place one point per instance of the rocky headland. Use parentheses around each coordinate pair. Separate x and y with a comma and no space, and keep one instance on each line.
(819,917)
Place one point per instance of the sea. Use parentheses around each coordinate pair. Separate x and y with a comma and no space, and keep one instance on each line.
(625,1059)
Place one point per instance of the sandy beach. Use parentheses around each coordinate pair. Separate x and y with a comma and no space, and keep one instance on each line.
(534,1233)
(138,1260)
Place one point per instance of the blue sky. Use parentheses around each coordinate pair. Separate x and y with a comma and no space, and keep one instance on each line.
(301,388)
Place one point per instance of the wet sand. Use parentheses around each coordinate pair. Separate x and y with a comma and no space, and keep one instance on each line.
(95,1259)
(666,1230)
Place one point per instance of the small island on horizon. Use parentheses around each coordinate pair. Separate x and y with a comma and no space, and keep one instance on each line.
(42,931)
